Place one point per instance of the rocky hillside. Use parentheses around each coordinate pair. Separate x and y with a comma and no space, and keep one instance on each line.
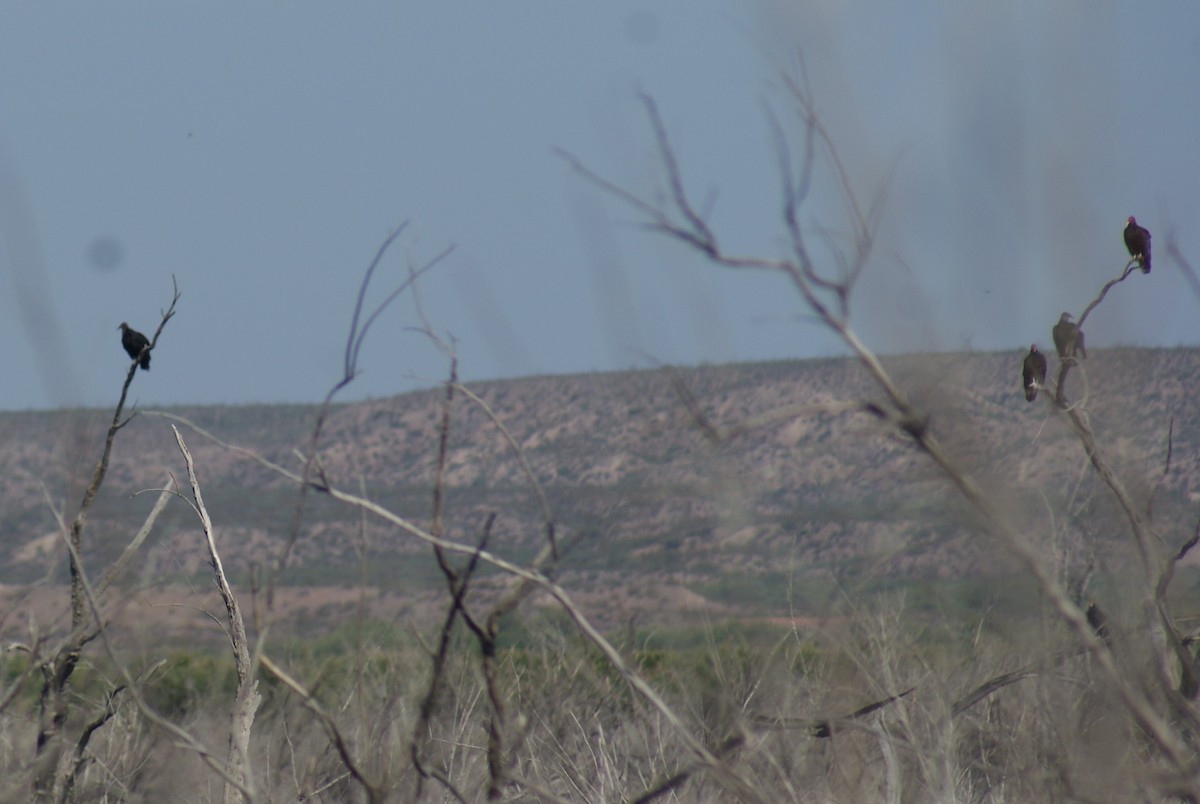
(801,500)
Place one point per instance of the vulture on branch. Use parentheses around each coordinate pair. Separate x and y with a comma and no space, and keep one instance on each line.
(134,342)
(1097,620)
(1137,240)
(1068,338)
(1033,372)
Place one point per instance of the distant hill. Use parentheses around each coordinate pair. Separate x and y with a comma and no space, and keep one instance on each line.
(778,518)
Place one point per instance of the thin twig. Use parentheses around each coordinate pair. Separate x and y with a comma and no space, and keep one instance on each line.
(354,341)
(1162,478)
(526,467)
(459,583)
(373,793)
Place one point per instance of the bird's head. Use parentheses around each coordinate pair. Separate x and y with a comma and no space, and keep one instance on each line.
(1065,318)
(1132,221)
(1033,348)
(123,326)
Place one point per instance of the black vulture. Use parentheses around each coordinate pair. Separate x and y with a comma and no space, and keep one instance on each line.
(1033,372)
(1097,620)
(134,342)
(1068,338)
(1137,240)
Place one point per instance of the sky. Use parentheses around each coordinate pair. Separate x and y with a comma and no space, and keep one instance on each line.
(259,154)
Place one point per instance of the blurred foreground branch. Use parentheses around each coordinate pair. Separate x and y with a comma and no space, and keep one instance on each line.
(826,294)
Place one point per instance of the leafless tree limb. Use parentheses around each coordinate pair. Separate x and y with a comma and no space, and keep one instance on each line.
(372,792)
(458,583)
(547,516)
(825,727)
(910,421)
(33,648)
(139,538)
(57,670)
(81,758)
(703,235)
(439,473)
(1067,364)
(246,699)
(662,787)
(354,341)
(184,738)
(1185,266)
(1162,478)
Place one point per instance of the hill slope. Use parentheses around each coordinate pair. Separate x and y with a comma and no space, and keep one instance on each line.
(658,515)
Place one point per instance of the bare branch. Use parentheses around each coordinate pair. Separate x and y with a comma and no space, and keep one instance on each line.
(1129,266)
(138,539)
(81,759)
(247,698)
(405,285)
(354,341)
(1162,478)
(77,604)
(57,670)
(991,517)
(133,686)
(1185,266)
(14,688)
(710,430)
(547,516)
(661,222)
(703,236)
(459,584)
(373,793)
(439,474)
(672,782)
(825,727)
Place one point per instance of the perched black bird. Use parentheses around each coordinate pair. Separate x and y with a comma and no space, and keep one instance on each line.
(134,342)
(1137,240)
(1068,338)
(1033,372)
(1097,620)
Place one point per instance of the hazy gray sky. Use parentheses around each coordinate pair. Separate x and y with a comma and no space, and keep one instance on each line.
(261,153)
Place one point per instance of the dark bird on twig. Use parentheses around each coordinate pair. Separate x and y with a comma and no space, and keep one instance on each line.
(135,344)
(1097,620)
(1137,240)
(1033,372)
(1068,338)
